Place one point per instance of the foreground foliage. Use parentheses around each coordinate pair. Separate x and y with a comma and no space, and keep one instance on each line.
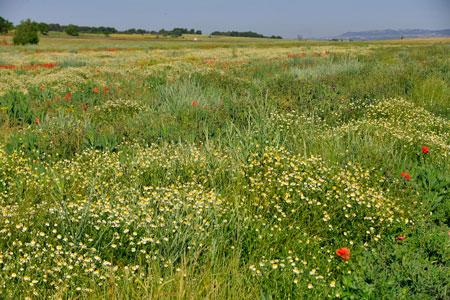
(300,172)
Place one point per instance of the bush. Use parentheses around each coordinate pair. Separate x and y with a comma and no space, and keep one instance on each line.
(26,33)
(72,30)
(5,25)
(43,28)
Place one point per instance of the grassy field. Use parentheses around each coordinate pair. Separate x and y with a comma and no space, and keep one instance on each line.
(133,167)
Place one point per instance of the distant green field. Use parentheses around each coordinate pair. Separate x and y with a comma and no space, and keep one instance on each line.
(137,167)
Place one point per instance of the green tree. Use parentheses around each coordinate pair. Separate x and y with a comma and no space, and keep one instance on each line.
(43,28)
(72,30)
(5,25)
(26,33)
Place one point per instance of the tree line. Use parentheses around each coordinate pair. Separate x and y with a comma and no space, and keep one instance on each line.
(244,34)
(173,32)
(27,31)
(110,30)
(72,29)
(82,29)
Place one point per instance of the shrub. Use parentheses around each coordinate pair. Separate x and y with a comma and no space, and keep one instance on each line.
(26,33)
(5,25)
(72,30)
(43,28)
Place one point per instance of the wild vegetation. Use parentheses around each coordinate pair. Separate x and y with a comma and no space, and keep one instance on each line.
(244,34)
(74,30)
(26,33)
(228,168)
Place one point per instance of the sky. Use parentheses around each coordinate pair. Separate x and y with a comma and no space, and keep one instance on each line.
(288,18)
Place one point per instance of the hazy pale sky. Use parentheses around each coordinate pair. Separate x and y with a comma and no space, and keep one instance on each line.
(289,18)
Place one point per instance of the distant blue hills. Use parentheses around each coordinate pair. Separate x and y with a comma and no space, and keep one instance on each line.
(393,34)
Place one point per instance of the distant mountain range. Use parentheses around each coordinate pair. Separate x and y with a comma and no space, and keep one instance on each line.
(393,34)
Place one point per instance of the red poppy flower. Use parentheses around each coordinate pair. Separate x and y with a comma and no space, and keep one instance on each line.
(95,90)
(194,103)
(400,238)
(7,67)
(425,150)
(68,96)
(47,65)
(37,121)
(343,253)
(406,176)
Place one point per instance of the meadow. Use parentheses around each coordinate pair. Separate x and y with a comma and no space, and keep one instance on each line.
(137,167)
